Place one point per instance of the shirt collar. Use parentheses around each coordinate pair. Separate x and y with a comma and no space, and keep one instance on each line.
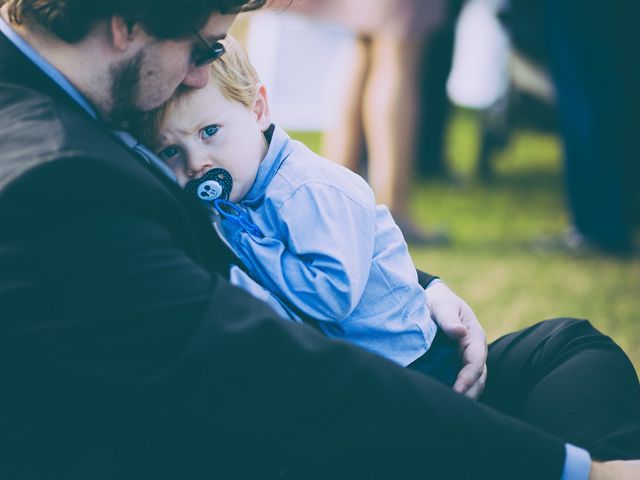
(46,67)
(279,148)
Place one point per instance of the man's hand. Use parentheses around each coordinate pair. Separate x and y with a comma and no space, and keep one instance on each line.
(458,321)
(617,470)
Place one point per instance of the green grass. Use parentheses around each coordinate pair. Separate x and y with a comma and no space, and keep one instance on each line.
(491,263)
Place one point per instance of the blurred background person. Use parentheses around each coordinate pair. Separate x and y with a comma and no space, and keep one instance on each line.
(377,123)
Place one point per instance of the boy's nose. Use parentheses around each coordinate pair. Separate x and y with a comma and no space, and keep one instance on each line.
(197,168)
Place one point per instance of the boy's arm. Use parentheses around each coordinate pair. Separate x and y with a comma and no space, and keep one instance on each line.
(321,262)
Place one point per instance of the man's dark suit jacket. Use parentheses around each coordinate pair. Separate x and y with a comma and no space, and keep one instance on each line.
(125,352)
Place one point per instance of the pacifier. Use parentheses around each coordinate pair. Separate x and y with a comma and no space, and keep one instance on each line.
(213,185)
(214,188)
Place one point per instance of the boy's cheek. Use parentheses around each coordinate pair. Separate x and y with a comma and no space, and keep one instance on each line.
(237,193)
(182,180)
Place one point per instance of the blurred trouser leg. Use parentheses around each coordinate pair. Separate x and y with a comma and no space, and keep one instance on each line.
(343,140)
(567,378)
(434,102)
(591,62)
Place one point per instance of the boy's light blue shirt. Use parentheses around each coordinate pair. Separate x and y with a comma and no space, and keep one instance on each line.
(331,253)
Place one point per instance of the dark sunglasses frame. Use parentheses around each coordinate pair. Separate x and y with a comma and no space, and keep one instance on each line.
(206,54)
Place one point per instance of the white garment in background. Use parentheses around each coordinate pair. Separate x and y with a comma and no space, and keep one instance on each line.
(479,75)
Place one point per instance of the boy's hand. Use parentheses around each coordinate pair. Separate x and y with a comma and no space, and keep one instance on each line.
(458,321)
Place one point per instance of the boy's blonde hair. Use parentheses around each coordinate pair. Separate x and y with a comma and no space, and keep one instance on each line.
(232,73)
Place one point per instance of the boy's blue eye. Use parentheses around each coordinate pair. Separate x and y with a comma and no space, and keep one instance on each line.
(168,152)
(209,131)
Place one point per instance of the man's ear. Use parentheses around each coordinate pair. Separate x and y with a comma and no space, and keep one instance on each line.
(261,108)
(123,33)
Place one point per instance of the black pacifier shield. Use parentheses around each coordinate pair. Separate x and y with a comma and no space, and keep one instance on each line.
(216,183)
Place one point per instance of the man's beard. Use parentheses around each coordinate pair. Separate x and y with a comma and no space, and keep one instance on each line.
(125,90)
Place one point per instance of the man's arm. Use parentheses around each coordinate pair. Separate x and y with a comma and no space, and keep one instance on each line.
(128,354)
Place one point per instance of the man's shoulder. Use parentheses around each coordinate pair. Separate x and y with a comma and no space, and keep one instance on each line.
(26,116)
(56,159)
(46,122)
(31,132)
(37,129)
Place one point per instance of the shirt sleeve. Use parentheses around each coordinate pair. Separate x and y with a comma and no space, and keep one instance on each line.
(240,279)
(577,463)
(321,261)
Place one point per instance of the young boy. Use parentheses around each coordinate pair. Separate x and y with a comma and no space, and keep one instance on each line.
(311,238)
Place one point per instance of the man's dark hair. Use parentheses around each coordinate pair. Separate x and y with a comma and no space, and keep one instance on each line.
(71,20)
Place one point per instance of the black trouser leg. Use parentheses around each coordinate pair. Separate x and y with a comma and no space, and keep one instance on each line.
(569,379)
(442,360)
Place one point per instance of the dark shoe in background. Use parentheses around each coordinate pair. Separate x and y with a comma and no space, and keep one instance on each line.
(420,237)
(576,244)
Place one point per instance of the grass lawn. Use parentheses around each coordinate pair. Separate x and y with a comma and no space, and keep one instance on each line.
(491,263)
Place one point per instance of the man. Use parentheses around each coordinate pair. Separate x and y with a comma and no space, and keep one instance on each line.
(125,353)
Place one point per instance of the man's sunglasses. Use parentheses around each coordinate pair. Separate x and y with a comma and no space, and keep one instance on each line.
(205,54)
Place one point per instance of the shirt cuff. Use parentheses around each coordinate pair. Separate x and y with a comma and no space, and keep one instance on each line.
(577,463)
(433,282)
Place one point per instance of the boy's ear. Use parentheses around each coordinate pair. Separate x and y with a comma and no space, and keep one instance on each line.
(261,108)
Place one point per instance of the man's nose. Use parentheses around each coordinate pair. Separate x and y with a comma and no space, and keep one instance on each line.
(196,77)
